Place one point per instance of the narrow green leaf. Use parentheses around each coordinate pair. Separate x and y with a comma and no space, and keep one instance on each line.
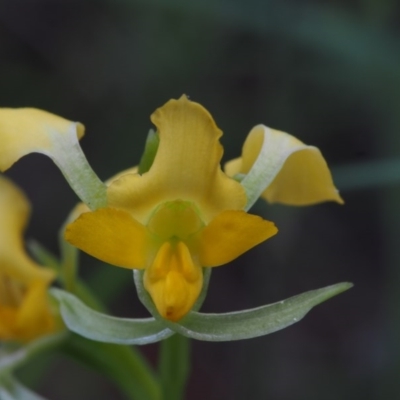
(242,324)
(91,324)
(11,389)
(122,364)
(255,322)
(86,295)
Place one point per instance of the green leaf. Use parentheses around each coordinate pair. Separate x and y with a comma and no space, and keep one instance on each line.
(254,322)
(122,364)
(91,324)
(245,324)
(11,389)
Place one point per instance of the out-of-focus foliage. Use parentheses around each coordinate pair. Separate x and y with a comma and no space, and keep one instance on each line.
(325,71)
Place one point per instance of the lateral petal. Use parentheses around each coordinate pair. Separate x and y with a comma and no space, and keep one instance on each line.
(231,234)
(110,235)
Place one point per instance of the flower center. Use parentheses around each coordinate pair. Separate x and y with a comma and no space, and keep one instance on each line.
(175,219)
(174,278)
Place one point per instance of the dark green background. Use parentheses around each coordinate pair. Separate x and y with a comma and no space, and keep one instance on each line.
(325,71)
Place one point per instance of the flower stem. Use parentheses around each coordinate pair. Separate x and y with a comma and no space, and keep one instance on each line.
(122,364)
(69,263)
(174,366)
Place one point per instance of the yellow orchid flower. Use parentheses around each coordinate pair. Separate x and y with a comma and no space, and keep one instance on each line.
(180,216)
(25,311)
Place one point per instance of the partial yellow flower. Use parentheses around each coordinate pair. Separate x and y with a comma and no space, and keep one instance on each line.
(25,310)
(183,214)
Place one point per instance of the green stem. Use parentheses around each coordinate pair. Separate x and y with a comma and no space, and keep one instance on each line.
(174,366)
(123,365)
(69,262)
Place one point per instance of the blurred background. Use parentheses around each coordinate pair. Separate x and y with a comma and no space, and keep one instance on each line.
(325,71)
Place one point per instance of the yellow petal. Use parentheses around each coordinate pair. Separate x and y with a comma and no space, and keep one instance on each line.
(28,130)
(186,166)
(14,213)
(173,280)
(299,173)
(112,236)
(231,234)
